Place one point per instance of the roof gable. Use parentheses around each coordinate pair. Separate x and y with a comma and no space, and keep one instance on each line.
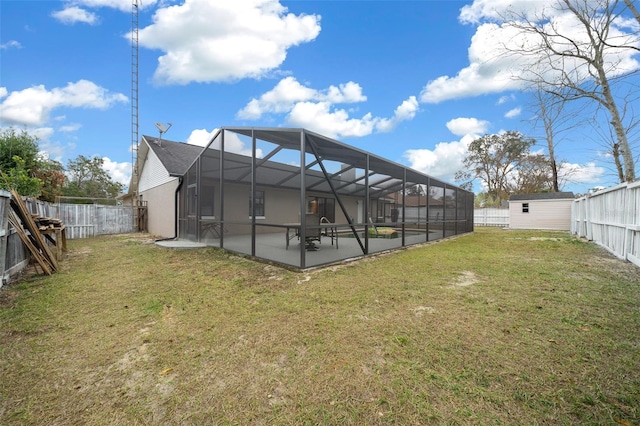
(175,156)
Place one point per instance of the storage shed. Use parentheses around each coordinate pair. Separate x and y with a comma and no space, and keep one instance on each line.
(547,210)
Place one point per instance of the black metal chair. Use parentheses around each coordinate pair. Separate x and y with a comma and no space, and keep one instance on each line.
(312,231)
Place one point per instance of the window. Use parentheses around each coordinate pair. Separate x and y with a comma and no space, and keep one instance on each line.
(258,204)
(525,207)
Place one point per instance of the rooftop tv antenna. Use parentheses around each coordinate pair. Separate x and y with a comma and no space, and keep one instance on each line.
(162,129)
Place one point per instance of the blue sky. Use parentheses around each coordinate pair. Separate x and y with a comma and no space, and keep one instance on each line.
(405,80)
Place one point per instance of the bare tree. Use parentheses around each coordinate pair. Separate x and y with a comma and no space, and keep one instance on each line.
(633,10)
(605,136)
(550,112)
(571,66)
(548,116)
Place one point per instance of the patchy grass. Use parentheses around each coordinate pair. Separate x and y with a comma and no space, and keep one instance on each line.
(498,327)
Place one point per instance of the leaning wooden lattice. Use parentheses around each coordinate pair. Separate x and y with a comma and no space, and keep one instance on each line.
(35,236)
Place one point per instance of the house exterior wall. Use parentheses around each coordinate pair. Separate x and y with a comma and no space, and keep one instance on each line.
(543,214)
(161,208)
(158,189)
(281,206)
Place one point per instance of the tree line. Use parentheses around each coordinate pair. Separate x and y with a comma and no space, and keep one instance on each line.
(24,169)
(579,75)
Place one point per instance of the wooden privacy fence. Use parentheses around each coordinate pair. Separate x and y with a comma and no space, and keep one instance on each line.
(80,220)
(611,219)
(13,255)
(89,220)
(491,216)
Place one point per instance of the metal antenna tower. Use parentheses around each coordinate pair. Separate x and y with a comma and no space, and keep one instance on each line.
(134,100)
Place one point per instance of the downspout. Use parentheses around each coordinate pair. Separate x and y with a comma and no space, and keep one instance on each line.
(175,213)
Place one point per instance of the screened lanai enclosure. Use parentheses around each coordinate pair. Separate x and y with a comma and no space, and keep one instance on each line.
(300,199)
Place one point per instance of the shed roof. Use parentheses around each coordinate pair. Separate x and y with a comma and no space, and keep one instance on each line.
(542,196)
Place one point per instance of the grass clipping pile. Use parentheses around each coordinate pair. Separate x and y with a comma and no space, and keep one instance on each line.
(491,328)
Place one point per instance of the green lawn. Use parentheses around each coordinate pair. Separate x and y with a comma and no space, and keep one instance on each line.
(496,327)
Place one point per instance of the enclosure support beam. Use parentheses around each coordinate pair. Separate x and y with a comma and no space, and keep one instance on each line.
(404,203)
(338,199)
(294,174)
(221,189)
(303,200)
(262,160)
(253,190)
(367,205)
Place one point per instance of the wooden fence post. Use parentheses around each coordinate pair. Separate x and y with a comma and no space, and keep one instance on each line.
(5,199)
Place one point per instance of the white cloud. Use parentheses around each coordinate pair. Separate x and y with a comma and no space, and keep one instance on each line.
(442,162)
(198,36)
(576,173)
(70,128)
(315,109)
(505,99)
(320,117)
(467,126)
(32,106)
(494,64)
(447,157)
(232,143)
(74,14)
(121,5)
(55,150)
(489,70)
(289,91)
(496,9)
(513,112)
(405,111)
(11,44)
(42,133)
(201,137)
(119,172)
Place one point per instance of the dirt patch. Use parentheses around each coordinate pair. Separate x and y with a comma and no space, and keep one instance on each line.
(609,262)
(421,310)
(464,279)
(8,297)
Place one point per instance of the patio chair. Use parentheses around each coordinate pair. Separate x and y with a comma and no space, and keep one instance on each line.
(312,231)
(329,231)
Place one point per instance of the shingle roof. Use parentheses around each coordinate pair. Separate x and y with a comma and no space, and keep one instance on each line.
(175,156)
(542,196)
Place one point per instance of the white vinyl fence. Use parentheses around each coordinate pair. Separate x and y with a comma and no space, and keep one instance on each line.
(611,219)
(491,216)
